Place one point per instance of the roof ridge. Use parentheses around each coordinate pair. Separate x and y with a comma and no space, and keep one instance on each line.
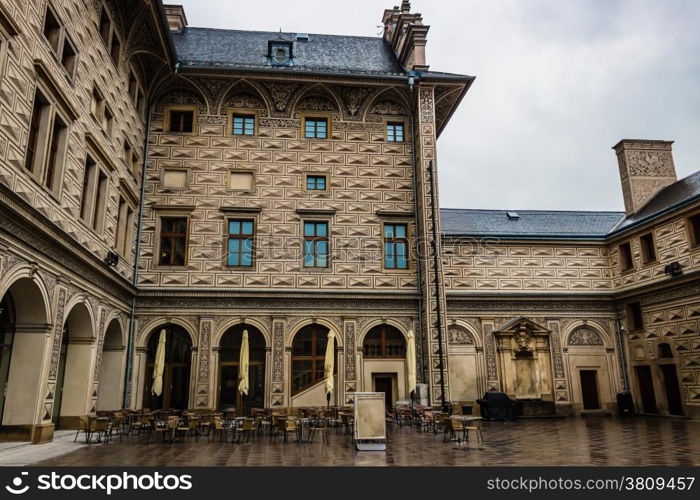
(575,212)
(277,32)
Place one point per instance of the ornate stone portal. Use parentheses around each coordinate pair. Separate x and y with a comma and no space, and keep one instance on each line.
(525,361)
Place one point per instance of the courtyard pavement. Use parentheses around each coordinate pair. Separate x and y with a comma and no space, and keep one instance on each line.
(573,441)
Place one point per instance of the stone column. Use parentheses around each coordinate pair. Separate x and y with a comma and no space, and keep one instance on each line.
(350,351)
(492,379)
(562,391)
(202,395)
(277,396)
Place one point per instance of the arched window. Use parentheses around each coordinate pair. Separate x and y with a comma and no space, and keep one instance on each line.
(229,356)
(384,341)
(308,355)
(665,351)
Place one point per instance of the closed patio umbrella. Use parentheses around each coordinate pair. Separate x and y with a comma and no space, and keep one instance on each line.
(159,366)
(411,363)
(243,363)
(328,365)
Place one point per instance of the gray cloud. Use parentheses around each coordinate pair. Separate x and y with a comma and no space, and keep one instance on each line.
(558,84)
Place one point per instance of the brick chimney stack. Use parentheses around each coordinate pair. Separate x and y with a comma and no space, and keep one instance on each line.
(646,167)
(176,17)
(407,35)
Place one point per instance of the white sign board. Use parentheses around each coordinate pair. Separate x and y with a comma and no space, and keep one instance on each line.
(370,421)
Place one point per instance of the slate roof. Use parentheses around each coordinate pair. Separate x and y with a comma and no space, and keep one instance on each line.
(321,53)
(678,193)
(555,224)
(530,224)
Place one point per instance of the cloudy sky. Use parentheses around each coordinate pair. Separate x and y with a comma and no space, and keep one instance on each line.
(558,84)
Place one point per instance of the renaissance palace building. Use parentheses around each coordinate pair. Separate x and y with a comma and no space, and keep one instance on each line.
(157,176)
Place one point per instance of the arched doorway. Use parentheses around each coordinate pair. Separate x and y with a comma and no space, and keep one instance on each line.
(112,368)
(74,368)
(229,355)
(7,335)
(384,359)
(176,373)
(23,336)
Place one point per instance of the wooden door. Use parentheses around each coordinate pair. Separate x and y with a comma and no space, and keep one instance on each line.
(385,384)
(589,390)
(646,389)
(673,391)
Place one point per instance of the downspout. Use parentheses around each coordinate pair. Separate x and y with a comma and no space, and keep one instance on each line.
(419,330)
(135,277)
(622,357)
(438,295)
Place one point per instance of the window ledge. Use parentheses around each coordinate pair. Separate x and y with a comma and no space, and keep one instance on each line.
(316,211)
(241,210)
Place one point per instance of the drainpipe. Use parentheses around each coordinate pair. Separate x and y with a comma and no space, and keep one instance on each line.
(135,277)
(438,295)
(419,331)
(622,357)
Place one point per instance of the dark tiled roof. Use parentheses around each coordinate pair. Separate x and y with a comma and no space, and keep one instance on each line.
(529,224)
(322,53)
(677,193)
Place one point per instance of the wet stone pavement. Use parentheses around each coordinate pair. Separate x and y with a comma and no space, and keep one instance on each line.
(572,441)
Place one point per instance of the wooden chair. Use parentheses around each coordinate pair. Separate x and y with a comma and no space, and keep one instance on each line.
(218,426)
(86,427)
(287,425)
(157,426)
(245,430)
(321,426)
(101,427)
(475,427)
(454,427)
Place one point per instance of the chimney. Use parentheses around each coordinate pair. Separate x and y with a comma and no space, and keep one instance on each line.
(176,17)
(646,167)
(407,35)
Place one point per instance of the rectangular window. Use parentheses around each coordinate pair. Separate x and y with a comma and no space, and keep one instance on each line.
(626,260)
(174,178)
(242,181)
(395,246)
(243,124)
(316,183)
(88,183)
(37,130)
(97,106)
(99,206)
(173,241)
(115,51)
(133,87)
(694,229)
(52,30)
(57,148)
(394,132)
(241,234)
(648,248)
(135,164)
(316,128)
(108,122)
(125,220)
(69,57)
(105,26)
(181,121)
(315,244)
(636,319)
